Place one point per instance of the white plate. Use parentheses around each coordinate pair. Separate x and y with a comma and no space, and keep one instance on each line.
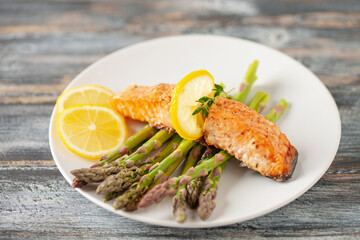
(312,123)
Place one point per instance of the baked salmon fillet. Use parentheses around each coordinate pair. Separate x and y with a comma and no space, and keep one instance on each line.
(230,125)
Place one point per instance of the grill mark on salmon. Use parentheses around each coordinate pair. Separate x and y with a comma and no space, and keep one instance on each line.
(230,125)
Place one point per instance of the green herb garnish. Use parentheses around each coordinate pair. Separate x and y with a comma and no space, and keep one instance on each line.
(206,102)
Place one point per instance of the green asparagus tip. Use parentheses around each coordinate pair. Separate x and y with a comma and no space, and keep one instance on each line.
(248,81)
(283,104)
(250,75)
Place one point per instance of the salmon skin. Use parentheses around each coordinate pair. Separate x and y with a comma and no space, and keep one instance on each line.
(230,125)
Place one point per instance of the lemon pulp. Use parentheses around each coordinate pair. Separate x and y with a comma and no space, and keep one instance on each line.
(86,94)
(91,131)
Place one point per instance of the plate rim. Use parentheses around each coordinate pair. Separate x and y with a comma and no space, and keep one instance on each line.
(203,224)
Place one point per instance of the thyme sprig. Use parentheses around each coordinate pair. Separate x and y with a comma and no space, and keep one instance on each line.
(206,102)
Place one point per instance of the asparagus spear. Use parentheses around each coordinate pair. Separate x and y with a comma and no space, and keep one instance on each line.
(207,197)
(130,199)
(133,141)
(194,186)
(259,102)
(179,200)
(248,81)
(277,111)
(263,102)
(208,194)
(98,174)
(124,179)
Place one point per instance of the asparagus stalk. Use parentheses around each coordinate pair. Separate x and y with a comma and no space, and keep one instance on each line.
(130,199)
(259,102)
(248,81)
(179,200)
(208,194)
(98,174)
(124,179)
(277,111)
(263,102)
(133,141)
(194,186)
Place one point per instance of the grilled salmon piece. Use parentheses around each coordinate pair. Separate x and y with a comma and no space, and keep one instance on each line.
(146,103)
(251,138)
(230,125)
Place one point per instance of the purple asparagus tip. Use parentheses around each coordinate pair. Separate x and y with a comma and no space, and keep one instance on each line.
(123,150)
(158,193)
(242,86)
(77,183)
(278,109)
(95,165)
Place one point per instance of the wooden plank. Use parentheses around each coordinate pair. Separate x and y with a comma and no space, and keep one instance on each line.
(41,204)
(24,132)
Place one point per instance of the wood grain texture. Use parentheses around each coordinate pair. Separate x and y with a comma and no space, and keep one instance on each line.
(45,44)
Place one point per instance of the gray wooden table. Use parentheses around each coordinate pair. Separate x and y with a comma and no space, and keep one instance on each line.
(45,44)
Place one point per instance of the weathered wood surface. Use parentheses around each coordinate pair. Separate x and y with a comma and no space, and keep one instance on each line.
(44,44)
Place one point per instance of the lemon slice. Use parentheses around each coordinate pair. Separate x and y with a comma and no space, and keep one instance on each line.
(183,103)
(91,131)
(86,94)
